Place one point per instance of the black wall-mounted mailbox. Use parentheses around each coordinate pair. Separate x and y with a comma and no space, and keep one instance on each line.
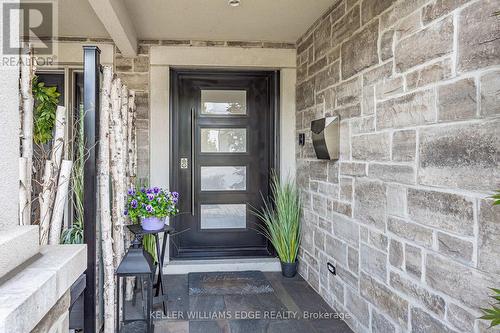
(326,137)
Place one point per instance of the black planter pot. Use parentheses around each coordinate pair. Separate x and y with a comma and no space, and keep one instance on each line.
(288,269)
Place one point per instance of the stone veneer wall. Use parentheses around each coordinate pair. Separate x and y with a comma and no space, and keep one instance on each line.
(135,73)
(403,214)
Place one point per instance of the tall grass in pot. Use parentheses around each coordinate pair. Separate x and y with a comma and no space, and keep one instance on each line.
(281,222)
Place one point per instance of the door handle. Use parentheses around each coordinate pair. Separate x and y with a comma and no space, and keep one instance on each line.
(193,153)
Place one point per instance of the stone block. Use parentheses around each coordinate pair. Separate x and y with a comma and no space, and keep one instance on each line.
(341,207)
(404,145)
(446,211)
(319,239)
(319,203)
(328,189)
(142,105)
(325,224)
(345,229)
(358,307)
(318,170)
(430,300)
(399,10)
(333,55)
(478,42)
(422,322)
(370,9)
(333,172)
(378,73)
(380,324)
(371,147)
(413,109)
(490,94)
(378,240)
(327,77)
(141,64)
(354,169)
(304,44)
(345,146)
(404,174)
(368,102)
(410,231)
(322,38)
(123,64)
(396,200)
(370,202)
(362,125)
(346,276)
(388,87)
(136,81)
(346,26)
(360,51)
(316,66)
(489,234)
(349,92)
(461,318)
(305,94)
(413,261)
(373,262)
(460,156)
(455,247)
(353,259)
(396,254)
(438,41)
(457,101)
(336,249)
(448,276)
(384,299)
(346,189)
(348,112)
(408,26)
(439,8)
(386,45)
(438,71)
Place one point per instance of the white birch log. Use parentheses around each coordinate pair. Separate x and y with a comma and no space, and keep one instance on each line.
(131,137)
(59,203)
(58,140)
(27,72)
(116,170)
(45,202)
(23,187)
(104,198)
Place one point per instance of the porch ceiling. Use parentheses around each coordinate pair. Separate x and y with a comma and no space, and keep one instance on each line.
(263,20)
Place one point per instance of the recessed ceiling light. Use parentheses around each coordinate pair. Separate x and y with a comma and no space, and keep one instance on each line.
(234,3)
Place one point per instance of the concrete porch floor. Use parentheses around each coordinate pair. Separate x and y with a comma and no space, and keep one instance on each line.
(281,311)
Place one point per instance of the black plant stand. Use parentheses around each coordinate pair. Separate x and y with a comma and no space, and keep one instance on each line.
(137,230)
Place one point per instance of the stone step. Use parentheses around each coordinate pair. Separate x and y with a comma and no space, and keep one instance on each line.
(17,245)
(29,294)
(222,265)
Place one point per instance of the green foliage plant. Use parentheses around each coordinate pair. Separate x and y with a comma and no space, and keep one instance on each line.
(492,314)
(281,219)
(46,99)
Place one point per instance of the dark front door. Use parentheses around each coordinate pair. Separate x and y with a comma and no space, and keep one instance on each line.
(223,151)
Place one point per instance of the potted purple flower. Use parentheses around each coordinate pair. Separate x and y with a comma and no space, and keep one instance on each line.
(152,206)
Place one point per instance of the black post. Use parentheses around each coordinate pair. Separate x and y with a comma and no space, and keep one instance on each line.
(91,72)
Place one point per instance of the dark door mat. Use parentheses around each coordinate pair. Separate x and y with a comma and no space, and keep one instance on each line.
(229,283)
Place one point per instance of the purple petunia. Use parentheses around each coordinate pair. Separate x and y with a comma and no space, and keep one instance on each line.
(131,191)
(156,190)
(125,212)
(174,200)
(151,196)
(133,203)
(143,190)
(175,194)
(149,208)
